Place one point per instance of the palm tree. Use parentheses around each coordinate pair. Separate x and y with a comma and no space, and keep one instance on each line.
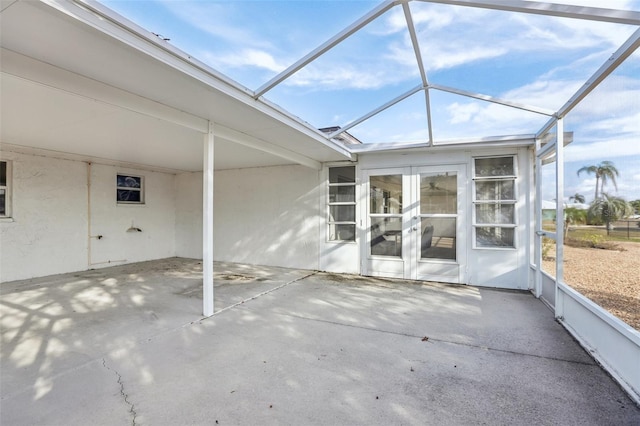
(577,198)
(604,171)
(609,209)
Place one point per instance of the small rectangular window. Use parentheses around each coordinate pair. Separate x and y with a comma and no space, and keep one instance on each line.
(129,189)
(342,204)
(5,188)
(495,202)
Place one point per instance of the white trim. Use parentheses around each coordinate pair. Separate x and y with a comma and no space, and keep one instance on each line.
(414,42)
(476,143)
(487,98)
(551,9)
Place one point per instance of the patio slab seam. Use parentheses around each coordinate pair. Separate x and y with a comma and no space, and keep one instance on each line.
(434,339)
(258,295)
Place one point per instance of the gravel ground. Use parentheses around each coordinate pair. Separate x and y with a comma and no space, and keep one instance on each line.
(610,278)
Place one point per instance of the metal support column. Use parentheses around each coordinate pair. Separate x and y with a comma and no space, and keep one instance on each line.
(559,305)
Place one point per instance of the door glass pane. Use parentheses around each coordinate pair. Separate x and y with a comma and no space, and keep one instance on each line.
(386,236)
(495,213)
(438,238)
(495,190)
(438,193)
(342,213)
(342,194)
(385,194)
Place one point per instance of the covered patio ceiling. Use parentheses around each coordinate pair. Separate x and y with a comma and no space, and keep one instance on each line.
(81,80)
(78,84)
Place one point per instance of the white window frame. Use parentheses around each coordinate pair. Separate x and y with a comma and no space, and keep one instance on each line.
(514,201)
(7,190)
(124,188)
(353,203)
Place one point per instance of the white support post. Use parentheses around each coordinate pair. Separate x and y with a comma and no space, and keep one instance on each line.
(207,223)
(559,305)
(538,221)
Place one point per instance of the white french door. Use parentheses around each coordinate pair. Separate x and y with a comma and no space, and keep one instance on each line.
(415,223)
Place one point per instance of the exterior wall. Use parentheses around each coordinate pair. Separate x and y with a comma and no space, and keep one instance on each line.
(48,232)
(52,212)
(156,218)
(505,268)
(189,215)
(267,216)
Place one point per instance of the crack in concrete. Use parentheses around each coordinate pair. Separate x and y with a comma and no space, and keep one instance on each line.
(125,396)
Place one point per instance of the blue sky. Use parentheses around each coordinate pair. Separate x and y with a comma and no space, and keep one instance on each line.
(529,59)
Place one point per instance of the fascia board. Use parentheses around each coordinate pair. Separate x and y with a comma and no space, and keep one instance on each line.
(495,141)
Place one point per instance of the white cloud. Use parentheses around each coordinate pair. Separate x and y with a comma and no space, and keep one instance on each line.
(218,20)
(250,57)
(597,151)
(452,57)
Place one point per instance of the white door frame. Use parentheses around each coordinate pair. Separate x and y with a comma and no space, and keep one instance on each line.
(409,265)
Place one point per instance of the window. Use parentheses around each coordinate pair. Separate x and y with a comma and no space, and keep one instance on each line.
(342,204)
(130,189)
(5,189)
(494,202)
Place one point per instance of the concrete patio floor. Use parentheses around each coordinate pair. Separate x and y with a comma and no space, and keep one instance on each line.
(127,345)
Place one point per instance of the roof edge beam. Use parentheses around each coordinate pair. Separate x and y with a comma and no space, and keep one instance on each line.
(264,146)
(376,111)
(551,9)
(326,46)
(18,66)
(603,72)
(414,41)
(494,100)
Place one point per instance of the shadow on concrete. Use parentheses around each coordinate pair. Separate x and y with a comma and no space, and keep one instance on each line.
(128,345)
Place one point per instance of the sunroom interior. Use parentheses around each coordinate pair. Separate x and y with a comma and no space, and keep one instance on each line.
(97,88)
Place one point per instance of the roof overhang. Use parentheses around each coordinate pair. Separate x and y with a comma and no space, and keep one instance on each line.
(79,79)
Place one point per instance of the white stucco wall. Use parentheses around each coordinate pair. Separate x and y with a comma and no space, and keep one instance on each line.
(48,232)
(267,216)
(156,218)
(189,215)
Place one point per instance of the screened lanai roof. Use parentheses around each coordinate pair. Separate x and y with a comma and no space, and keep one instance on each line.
(404,71)
(137,82)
